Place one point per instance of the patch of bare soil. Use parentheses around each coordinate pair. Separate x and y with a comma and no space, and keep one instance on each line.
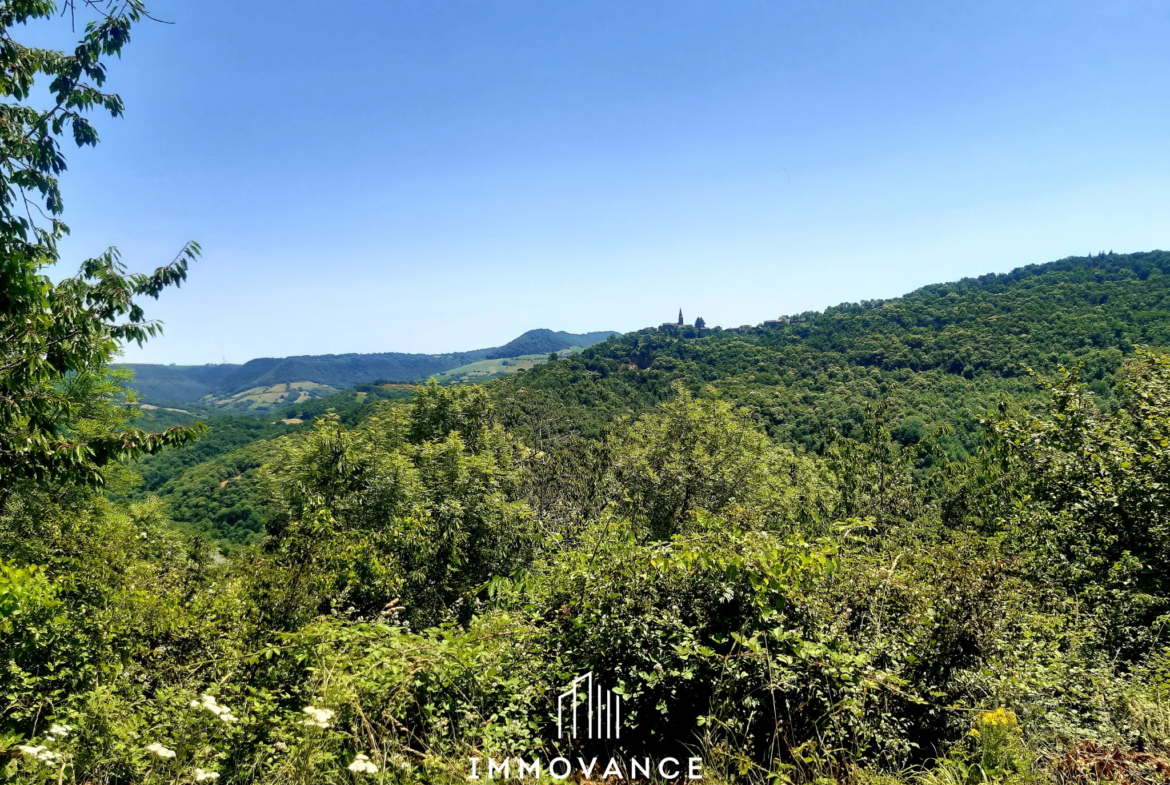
(1089,763)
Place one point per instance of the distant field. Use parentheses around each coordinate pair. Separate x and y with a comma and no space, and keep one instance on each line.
(260,379)
(262,398)
(484,370)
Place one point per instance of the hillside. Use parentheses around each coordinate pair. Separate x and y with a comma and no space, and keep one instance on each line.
(935,359)
(163,384)
(788,531)
(213,486)
(486,370)
(941,355)
(546,341)
(178,384)
(922,540)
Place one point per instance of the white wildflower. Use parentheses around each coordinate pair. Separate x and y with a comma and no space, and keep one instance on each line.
(43,754)
(363,765)
(161,751)
(318,718)
(60,731)
(280,745)
(219,710)
(201,775)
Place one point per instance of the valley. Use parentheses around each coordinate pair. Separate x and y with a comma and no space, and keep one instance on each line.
(265,384)
(931,364)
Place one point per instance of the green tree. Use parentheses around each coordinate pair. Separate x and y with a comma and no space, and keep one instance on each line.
(1092,496)
(422,503)
(691,454)
(55,339)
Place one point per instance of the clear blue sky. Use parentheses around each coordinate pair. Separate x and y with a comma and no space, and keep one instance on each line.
(422,175)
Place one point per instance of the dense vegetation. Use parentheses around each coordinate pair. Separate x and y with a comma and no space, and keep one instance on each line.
(894,542)
(938,358)
(866,605)
(428,582)
(214,487)
(941,356)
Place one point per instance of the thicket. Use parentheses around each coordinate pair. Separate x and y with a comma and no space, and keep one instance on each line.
(428,582)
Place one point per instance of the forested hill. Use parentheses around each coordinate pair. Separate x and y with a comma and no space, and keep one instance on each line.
(937,359)
(940,355)
(170,384)
(344,370)
(166,384)
(546,341)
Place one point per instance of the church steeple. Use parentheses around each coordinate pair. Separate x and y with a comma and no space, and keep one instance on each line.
(680,321)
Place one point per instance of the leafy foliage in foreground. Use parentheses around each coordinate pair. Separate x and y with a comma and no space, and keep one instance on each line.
(429,582)
(1097,499)
(56,420)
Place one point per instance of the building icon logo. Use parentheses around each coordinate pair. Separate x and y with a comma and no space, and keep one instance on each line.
(588,711)
(596,713)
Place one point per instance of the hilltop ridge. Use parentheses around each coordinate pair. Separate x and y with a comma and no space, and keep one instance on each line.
(322,374)
(950,350)
(935,359)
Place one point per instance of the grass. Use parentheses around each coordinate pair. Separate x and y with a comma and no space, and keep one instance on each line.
(264,397)
(485,370)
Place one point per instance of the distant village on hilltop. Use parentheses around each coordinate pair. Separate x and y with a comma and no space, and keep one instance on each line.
(667,327)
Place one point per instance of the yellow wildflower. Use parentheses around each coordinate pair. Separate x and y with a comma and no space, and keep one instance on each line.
(997,718)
